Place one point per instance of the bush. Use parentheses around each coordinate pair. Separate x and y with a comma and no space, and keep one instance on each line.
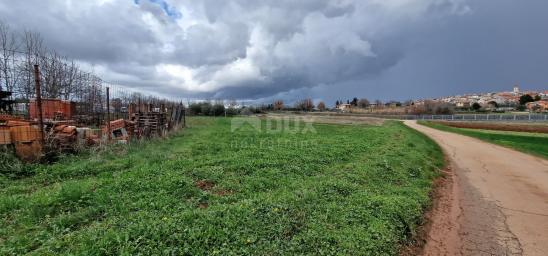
(526,99)
(232,112)
(218,110)
(476,106)
(195,109)
(206,109)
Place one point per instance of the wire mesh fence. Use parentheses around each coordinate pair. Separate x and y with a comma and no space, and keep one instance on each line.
(48,104)
(531,117)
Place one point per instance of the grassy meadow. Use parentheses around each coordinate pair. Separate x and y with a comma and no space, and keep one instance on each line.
(339,189)
(532,143)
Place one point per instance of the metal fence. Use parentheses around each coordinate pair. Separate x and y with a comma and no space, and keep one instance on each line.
(48,105)
(472,117)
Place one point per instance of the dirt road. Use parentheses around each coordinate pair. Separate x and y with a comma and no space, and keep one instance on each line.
(495,203)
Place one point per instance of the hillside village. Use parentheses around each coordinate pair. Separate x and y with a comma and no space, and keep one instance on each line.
(532,101)
(505,101)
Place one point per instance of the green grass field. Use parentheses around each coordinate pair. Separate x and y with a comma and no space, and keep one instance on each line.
(532,143)
(357,190)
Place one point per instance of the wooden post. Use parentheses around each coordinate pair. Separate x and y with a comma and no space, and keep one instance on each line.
(108,115)
(39,103)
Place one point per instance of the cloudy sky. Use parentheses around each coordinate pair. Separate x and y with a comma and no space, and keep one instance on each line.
(292,49)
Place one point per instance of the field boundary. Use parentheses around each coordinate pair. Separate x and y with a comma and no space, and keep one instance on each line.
(470,117)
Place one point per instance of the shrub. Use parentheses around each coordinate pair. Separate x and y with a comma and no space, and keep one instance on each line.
(218,110)
(476,106)
(231,111)
(207,109)
(526,99)
(195,109)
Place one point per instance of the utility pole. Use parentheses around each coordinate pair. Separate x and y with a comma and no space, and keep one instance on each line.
(39,103)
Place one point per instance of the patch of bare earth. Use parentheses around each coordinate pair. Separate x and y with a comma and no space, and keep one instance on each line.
(205,185)
(437,236)
(498,202)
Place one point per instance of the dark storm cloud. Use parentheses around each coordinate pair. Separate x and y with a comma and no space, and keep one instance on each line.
(251,49)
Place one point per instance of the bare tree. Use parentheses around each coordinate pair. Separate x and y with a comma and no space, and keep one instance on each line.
(363,103)
(33,49)
(278,105)
(8,47)
(305,105)
(321,106)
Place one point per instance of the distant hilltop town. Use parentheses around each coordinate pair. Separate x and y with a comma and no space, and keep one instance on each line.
(505,101)
(515,100)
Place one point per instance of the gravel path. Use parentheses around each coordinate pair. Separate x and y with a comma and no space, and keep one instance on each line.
(495,203)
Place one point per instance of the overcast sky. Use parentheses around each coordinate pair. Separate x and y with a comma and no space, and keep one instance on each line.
(292,49)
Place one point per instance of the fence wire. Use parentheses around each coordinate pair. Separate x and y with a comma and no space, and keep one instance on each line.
(75,108)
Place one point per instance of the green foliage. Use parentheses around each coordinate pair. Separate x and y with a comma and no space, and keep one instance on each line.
(524,99)
(476,106)
(533,143)
(217,110)
(356,190)
(207,109)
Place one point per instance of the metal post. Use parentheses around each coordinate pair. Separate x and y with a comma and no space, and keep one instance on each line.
(39,103)
(184,117)
(108,115)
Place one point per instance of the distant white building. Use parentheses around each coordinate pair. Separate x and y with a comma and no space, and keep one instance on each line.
(516,90)
(463,104)
(344,107)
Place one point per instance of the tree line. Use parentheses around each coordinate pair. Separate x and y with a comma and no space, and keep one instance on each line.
(61,76)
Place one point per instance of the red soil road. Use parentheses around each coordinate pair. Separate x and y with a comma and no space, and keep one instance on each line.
(496,202)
